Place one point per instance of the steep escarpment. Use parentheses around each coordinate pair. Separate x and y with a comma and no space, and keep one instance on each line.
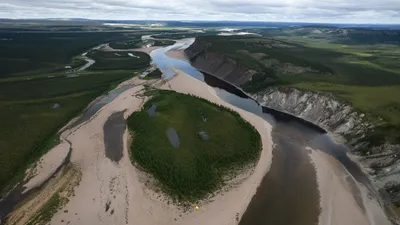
(321,109)
(381,162)
(218,64)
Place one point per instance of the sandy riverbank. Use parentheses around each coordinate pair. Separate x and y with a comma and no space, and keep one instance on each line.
(177,54)
(47,166)
(338,204)
(115,193)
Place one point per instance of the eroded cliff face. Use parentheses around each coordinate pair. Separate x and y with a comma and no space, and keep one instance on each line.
(320,109)
(218,64)
(382,163)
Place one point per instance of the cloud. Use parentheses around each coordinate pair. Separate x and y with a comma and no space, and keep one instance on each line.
(341,11)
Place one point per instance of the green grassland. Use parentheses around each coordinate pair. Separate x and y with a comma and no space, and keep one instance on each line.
(195,169)
(37,47)
(33,80)
(28,119)
(381,104)
(360,68)
(46,52)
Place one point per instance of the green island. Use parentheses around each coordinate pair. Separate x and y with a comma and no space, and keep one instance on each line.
(196,168)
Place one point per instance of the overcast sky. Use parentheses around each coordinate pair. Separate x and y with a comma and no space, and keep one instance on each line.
(341,11)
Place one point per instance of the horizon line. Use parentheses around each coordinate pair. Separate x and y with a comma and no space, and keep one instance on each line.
(172,20)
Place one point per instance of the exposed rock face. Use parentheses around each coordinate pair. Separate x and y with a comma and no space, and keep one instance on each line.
(383,165)
(218,64)
(320,109)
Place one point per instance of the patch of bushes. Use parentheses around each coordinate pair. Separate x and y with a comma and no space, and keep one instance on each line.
(195,169)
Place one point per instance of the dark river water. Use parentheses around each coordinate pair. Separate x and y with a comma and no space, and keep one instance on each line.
(288,194)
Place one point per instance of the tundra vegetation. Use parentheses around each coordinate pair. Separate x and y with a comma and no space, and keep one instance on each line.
(197,167)
(37,94)
(358,66)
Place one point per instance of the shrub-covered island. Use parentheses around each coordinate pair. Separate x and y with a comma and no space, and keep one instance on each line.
(189,144)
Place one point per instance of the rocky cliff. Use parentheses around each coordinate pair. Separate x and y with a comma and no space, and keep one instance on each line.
(382,163)
(218,64)
(321,109)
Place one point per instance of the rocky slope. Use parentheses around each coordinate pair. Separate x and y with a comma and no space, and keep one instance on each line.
(382,163)
(218,64)
(320,109)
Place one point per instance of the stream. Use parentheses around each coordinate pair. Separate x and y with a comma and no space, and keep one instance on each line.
(288,193)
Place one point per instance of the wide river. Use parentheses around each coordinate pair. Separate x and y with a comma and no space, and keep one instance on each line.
(289,192)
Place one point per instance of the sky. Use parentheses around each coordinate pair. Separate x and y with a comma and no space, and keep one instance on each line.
(331,11)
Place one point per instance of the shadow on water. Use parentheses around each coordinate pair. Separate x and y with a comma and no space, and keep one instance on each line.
(288,193)
(114,129)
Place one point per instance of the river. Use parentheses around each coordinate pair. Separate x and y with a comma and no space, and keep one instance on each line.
(289,192)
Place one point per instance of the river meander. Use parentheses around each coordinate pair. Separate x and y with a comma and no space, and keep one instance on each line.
(289,192)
